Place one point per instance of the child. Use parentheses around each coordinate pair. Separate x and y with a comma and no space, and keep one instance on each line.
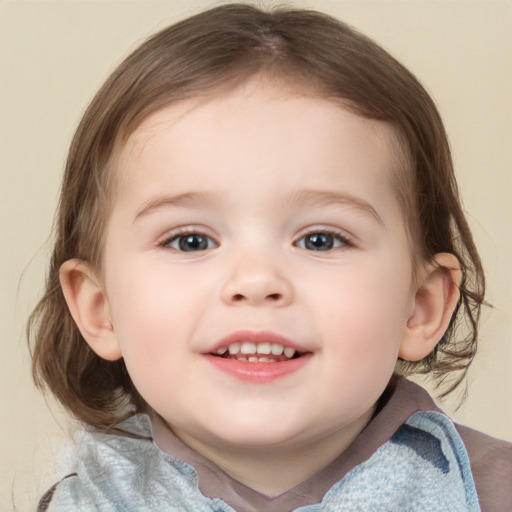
(259,234)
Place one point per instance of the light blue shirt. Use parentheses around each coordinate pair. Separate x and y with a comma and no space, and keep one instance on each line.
(424,467)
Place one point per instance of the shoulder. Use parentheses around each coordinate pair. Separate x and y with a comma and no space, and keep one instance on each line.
(491,465)
(490,458)
(124,470)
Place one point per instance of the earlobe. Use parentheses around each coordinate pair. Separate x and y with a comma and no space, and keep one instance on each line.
(435,301)
(89,308)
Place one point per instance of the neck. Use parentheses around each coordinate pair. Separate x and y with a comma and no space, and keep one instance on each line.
(268,470)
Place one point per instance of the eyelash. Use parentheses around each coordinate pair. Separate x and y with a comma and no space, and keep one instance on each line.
(342,238)
(166,243)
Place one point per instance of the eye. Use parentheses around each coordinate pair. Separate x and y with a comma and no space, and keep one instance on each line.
(322,241)
(190,242)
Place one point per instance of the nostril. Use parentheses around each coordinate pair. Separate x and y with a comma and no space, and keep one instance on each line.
(272,297)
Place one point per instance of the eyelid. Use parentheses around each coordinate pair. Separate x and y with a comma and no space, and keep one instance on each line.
(183,231)
(346,238)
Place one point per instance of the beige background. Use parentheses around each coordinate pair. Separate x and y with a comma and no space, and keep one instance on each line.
(55,54)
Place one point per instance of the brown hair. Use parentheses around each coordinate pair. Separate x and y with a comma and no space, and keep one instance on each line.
(220,48)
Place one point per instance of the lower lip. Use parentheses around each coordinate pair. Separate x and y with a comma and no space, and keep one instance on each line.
(257,372)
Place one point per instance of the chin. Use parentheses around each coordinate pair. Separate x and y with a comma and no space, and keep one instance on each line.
(256,436)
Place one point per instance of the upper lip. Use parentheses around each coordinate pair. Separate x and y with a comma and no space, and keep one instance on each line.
(255,337)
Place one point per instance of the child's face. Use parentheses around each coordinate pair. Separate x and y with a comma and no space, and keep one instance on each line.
(264,217)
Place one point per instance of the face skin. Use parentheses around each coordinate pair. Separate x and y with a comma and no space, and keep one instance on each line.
(302,237)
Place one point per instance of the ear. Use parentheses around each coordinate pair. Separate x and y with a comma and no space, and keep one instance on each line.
(89,308)
(435,301)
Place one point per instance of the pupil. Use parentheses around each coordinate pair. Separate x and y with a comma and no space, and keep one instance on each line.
(319,242)
(193,243)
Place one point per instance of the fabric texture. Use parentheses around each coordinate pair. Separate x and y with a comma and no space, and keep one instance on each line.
(412,463)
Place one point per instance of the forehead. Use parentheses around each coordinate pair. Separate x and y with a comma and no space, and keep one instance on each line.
(262,91)
(274,131)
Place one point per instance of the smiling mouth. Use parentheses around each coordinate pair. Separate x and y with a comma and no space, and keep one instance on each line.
(265,352)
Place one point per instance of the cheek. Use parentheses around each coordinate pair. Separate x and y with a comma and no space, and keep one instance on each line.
(148,320)
(150,312)
(364,311)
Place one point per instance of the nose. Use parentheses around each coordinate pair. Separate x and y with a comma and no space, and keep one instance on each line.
(256,281)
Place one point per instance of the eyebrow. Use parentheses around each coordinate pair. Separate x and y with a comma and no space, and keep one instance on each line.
(310,198)
(318,198)
(178,201)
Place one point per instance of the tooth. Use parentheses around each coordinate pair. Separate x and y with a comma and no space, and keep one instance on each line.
(234,348)
(254,359)
(265,359)
(289,352)
(241,359)
(248,348)
(277,349)
(264,348)
(221,350)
